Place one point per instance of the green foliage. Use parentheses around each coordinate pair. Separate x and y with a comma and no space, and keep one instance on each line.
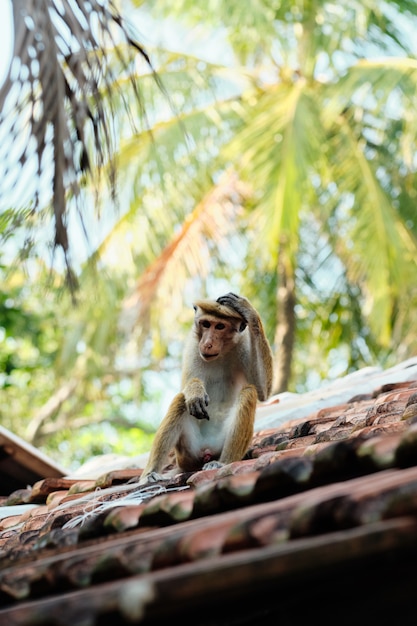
(66,384)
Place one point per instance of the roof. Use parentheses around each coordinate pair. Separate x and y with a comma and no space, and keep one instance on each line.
(318,524)
(21,464)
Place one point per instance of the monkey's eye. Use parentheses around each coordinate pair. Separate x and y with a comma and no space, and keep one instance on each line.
(220,326)
(205,324)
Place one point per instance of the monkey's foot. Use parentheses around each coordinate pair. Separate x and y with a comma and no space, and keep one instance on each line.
(212,465)
(152,477)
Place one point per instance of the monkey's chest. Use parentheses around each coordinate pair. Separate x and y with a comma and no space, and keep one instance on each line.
(223,393)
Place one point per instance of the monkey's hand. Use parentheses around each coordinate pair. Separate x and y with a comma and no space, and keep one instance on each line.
(242,306)
(197,407)
(196,399)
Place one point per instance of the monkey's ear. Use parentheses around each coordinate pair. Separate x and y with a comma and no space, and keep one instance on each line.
(242,327)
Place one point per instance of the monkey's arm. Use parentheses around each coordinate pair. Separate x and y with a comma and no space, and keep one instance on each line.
(259,365)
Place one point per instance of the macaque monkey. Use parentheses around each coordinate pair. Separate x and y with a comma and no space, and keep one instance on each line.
(227,368)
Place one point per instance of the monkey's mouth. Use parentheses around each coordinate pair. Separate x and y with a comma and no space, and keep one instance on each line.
(208,357)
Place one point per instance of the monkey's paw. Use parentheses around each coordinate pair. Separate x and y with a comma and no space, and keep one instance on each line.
(239,304)
(152,477)
(197,407)
(212,465)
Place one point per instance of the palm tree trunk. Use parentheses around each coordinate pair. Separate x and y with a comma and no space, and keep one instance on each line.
(285,330)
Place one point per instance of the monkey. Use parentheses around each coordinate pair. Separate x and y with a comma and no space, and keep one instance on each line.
(227,367)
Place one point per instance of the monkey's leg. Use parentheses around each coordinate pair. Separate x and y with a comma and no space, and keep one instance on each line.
(165,439)
(240,434)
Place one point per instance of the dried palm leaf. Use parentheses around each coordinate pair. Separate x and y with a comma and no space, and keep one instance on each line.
(186,255)
(58,101)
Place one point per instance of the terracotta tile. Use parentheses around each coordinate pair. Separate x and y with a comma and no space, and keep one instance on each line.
(388,418)
(236,490)
(38,510)
(205,477)
(225,493)
(55,498)
(67,498)
(36,522)
(329,425)
(334,434)
(413,398)
(258,451)
(331,507)
(272,439)
(380,451)
(82,486)
(174,506)
(124,517)
(9,522)
(387,387)
(207,542)
(381,428)
(283,454)
(284,477)
(57,539)
(337,461)
(8,538)
(259,531)
(117,477)
(387,408)
(265,459)
(301,442)
(400,396)
(333,411)
(409,412)
(304,428)
(356,418)
(394,494)
(385,480)
(360,397)
(237,467)
(20,496)
(406,453)
(43,488)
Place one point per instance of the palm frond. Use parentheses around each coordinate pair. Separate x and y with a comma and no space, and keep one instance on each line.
(54,124)
(378,249)
(187,255)
(278,147)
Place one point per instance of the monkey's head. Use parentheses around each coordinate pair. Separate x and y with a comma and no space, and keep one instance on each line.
(218,328)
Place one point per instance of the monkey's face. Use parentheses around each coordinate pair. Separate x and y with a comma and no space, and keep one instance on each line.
(216,336)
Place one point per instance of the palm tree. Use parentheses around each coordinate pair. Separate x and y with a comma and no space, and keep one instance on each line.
(315,114)
(58,100)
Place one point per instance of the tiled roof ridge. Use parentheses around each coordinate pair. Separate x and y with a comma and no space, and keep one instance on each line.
(343,475)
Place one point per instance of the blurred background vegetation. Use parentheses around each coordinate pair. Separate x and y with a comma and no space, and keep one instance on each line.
(154,152)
